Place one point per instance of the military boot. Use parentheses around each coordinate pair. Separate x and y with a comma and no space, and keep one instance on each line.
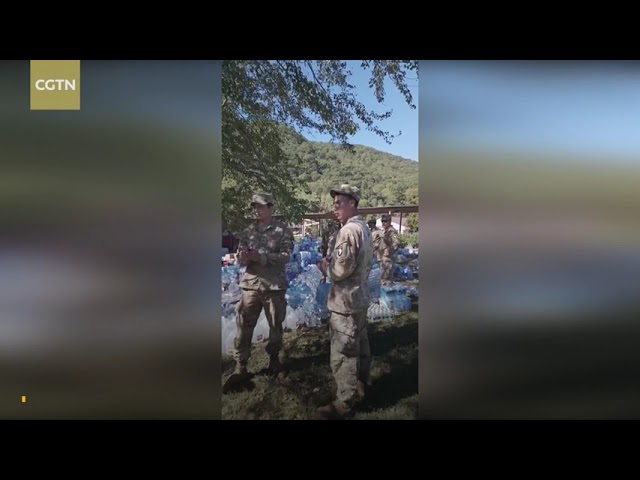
(241,370)
(237,378)
(275,367)
(362,389)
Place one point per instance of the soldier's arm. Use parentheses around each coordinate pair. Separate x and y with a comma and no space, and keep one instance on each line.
(376,237)
(395,242)
(331,244)
(282,257)
(344,257)
(324,244)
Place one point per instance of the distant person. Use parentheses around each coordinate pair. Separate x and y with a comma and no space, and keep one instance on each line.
(265,249)
(376,235)
(387,249)
(328,241)
(348,266)
(329,237)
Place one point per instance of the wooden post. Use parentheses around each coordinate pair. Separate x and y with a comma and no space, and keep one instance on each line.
(400,223)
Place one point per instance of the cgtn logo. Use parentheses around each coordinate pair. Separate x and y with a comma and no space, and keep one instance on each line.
(57,84)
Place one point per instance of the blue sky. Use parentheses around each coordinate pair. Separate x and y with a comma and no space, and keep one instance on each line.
(583,109)
(403,119)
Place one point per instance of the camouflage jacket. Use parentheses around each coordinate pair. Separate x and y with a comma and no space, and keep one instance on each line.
(376,236)
(329,240)
(389,243)
(350,267)
(275,244)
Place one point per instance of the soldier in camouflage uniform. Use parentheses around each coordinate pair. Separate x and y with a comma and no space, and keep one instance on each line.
(329,237)
(264,248)
(349,299)
(387,248)
(329,241)
(376,235)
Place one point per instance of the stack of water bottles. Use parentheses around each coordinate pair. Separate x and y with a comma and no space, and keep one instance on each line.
(374,282)
(307,294)
(395,298)
(402,273)
(304,295)
(378,311)
(407,253)
(231,293)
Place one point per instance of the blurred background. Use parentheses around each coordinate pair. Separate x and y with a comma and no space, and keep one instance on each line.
(109,247)
(530,239)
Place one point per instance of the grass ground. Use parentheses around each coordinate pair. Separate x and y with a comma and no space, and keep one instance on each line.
(309,383)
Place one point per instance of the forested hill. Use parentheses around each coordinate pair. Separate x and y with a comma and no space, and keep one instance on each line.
(383,179)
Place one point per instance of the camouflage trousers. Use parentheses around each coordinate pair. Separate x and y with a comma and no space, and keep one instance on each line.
(386,270)
(350,354)
(248,311)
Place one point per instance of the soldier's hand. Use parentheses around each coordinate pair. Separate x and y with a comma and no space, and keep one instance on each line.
(247,256)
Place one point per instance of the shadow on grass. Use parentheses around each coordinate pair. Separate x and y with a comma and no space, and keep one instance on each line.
(298,364)
(308,382)
(388,390)
(385,338)
(236,383)
(227,364)
(396,347)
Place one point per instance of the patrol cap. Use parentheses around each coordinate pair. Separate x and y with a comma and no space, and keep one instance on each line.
(386,218)
(262,199)
(346,189)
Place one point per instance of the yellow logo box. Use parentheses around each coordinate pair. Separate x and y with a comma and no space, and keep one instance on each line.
(55,84)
